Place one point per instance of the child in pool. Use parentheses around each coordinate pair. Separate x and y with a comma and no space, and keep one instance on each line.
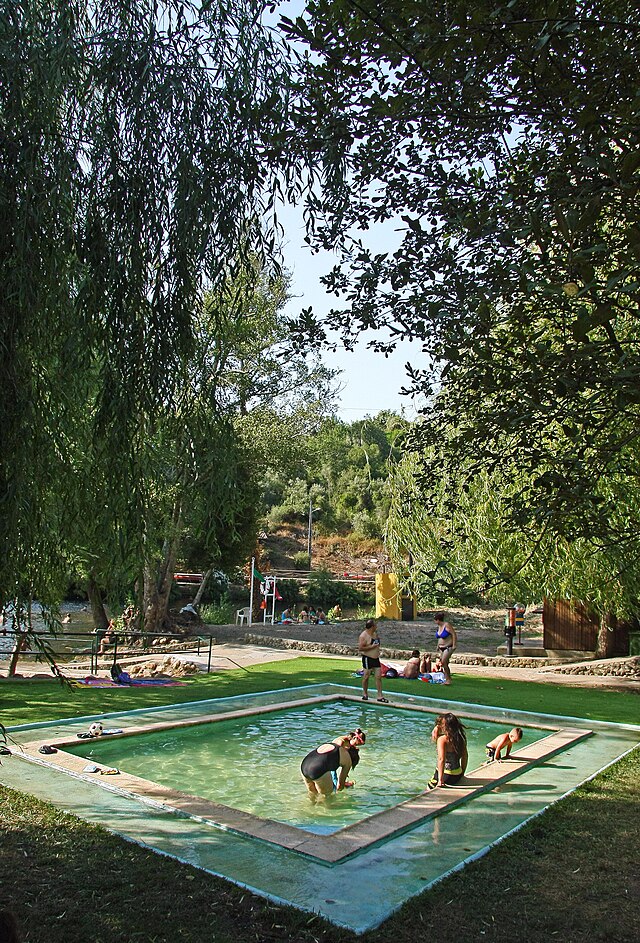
(504,741)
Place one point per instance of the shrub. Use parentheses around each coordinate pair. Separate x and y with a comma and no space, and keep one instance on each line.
(324,591)
(301,560)
(366,613)
(365,524)
(217,585)
(219,613)
(277,515)
(290,592)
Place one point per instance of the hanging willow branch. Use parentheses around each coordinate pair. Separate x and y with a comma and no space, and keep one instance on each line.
(141,144)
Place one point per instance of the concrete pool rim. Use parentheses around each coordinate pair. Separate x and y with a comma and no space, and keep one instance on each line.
(330,849)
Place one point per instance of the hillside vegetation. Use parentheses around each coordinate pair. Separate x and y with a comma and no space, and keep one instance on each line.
(338,471)
(285,548)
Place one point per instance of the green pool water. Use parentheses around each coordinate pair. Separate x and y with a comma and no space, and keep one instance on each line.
(253,763)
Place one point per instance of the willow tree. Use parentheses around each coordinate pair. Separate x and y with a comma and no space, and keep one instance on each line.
(141,148)
(452,531)
(235,396)
(501,141)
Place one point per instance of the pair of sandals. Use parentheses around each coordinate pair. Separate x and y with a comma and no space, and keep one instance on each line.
(380,700)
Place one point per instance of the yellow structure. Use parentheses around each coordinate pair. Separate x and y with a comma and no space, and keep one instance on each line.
(391,603)
(388,596)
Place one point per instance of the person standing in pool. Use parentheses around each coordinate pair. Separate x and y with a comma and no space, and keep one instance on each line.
(369,648)
(450,739)
(320,767)
(446,641)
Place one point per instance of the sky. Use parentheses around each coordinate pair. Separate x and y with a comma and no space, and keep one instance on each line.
(370,382)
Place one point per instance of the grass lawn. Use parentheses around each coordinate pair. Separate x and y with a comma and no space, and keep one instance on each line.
(571,874)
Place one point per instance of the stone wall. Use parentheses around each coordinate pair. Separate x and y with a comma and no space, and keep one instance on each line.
(613,667)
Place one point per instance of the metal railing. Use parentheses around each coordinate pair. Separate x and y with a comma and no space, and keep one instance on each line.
(47,649)
(303,576)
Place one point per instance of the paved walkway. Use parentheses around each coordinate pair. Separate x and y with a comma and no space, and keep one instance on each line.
(239,655)
(223,656)
(549,676)
(236,654)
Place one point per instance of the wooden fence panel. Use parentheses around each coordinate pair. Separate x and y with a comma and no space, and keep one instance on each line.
(571,627)
(568,626)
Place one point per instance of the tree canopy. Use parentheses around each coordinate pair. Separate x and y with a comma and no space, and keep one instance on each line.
(501,139)
(343,469)
(452,530)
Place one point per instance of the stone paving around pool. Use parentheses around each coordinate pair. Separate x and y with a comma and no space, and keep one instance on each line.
(329,848)
(400,852)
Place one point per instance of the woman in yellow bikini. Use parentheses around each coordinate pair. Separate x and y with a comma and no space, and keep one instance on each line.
(451,743)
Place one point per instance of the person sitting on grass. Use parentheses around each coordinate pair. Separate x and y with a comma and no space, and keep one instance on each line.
(412,668)
(504,741)
(436,668)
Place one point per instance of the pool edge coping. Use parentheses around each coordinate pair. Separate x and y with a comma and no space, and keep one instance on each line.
(326,849)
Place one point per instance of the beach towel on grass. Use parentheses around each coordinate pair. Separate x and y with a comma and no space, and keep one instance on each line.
(387,671)
(92,682)
(435,677)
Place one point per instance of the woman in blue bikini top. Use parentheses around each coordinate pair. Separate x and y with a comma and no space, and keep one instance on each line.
(446,640)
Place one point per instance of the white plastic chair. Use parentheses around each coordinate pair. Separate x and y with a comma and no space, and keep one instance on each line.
(242,616)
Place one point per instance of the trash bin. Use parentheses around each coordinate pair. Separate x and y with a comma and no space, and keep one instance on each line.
(634,643)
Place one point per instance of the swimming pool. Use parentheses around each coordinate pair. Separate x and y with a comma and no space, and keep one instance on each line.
(252,763)
(402,849)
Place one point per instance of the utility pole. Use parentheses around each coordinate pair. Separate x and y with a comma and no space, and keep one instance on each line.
(312,511)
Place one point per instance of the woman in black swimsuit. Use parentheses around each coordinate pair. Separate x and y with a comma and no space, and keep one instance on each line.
(318,767)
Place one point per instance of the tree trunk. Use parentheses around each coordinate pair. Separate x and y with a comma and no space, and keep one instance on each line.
(156,593)
(139,589)
(604,643)
(100,620)
(157,585)
(20,644)
(201,588)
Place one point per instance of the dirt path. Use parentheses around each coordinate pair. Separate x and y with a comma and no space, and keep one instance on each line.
(481,639)
(480,631)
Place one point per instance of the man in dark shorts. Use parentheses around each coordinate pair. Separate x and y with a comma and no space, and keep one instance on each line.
(369,648)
